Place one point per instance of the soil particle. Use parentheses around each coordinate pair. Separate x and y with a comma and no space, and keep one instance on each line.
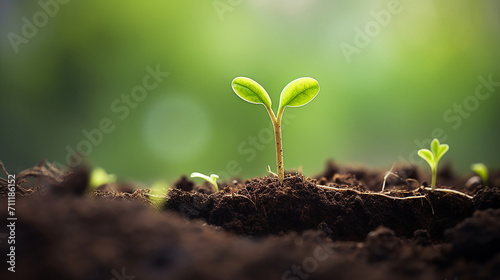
(74,183)
(473,184)
(382,244)
(422,237)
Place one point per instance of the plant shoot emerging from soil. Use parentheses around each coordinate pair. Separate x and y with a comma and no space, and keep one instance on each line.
(297,93)
(433,156)
(158,192)
(212,179)
(99,177)
(481,170)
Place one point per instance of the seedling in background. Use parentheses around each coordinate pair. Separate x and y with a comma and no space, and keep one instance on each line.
(433,156)
(158,193)
(297,93)
(99,177)
(212,179)
(481,170)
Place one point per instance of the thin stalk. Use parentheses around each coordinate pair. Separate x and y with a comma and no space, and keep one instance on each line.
(279,149)
(433,182)
(279,145)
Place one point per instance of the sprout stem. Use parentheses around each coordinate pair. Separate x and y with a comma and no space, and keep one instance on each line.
(279,150)
(279,144)
(433,182)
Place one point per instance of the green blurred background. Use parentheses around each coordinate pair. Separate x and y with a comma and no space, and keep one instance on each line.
(407,76)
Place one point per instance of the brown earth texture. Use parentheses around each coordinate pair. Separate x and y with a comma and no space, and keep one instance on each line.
(339,224)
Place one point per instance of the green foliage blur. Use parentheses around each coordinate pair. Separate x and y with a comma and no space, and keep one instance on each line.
(393,76)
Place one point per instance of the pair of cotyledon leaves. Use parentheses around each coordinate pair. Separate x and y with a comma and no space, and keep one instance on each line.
(297,93)
(437,151)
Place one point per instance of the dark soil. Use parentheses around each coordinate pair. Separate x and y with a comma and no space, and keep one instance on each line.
(256,229)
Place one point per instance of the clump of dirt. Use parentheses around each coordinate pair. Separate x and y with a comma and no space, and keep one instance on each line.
(477,238)
(264,206)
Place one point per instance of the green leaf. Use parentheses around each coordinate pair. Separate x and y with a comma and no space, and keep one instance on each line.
(99,177)
(435,146)
(298,93)
(438,150)
(482,171)
(427,156)
(212,179)
(441,151)
(250,91)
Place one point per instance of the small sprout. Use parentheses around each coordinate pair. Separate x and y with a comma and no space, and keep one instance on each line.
(481,170)
(432,157)
(297,93)
(158,193)
(212,179)
(99,177)
(271,172)
(387,174)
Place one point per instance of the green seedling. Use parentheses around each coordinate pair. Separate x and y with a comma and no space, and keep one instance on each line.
(158,193)
(481,170)
(433,156)
(212,179)
(99,177)
(297,93)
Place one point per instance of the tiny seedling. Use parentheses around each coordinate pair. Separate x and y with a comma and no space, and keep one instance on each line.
(481,170)
(158,192)
(387,174)
(212,179)
(99,177)
(433,156)
(297,93)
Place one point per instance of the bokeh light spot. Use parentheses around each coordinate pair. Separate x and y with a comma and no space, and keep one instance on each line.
(176,128)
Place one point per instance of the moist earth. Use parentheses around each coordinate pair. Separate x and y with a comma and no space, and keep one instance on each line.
(336,225)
